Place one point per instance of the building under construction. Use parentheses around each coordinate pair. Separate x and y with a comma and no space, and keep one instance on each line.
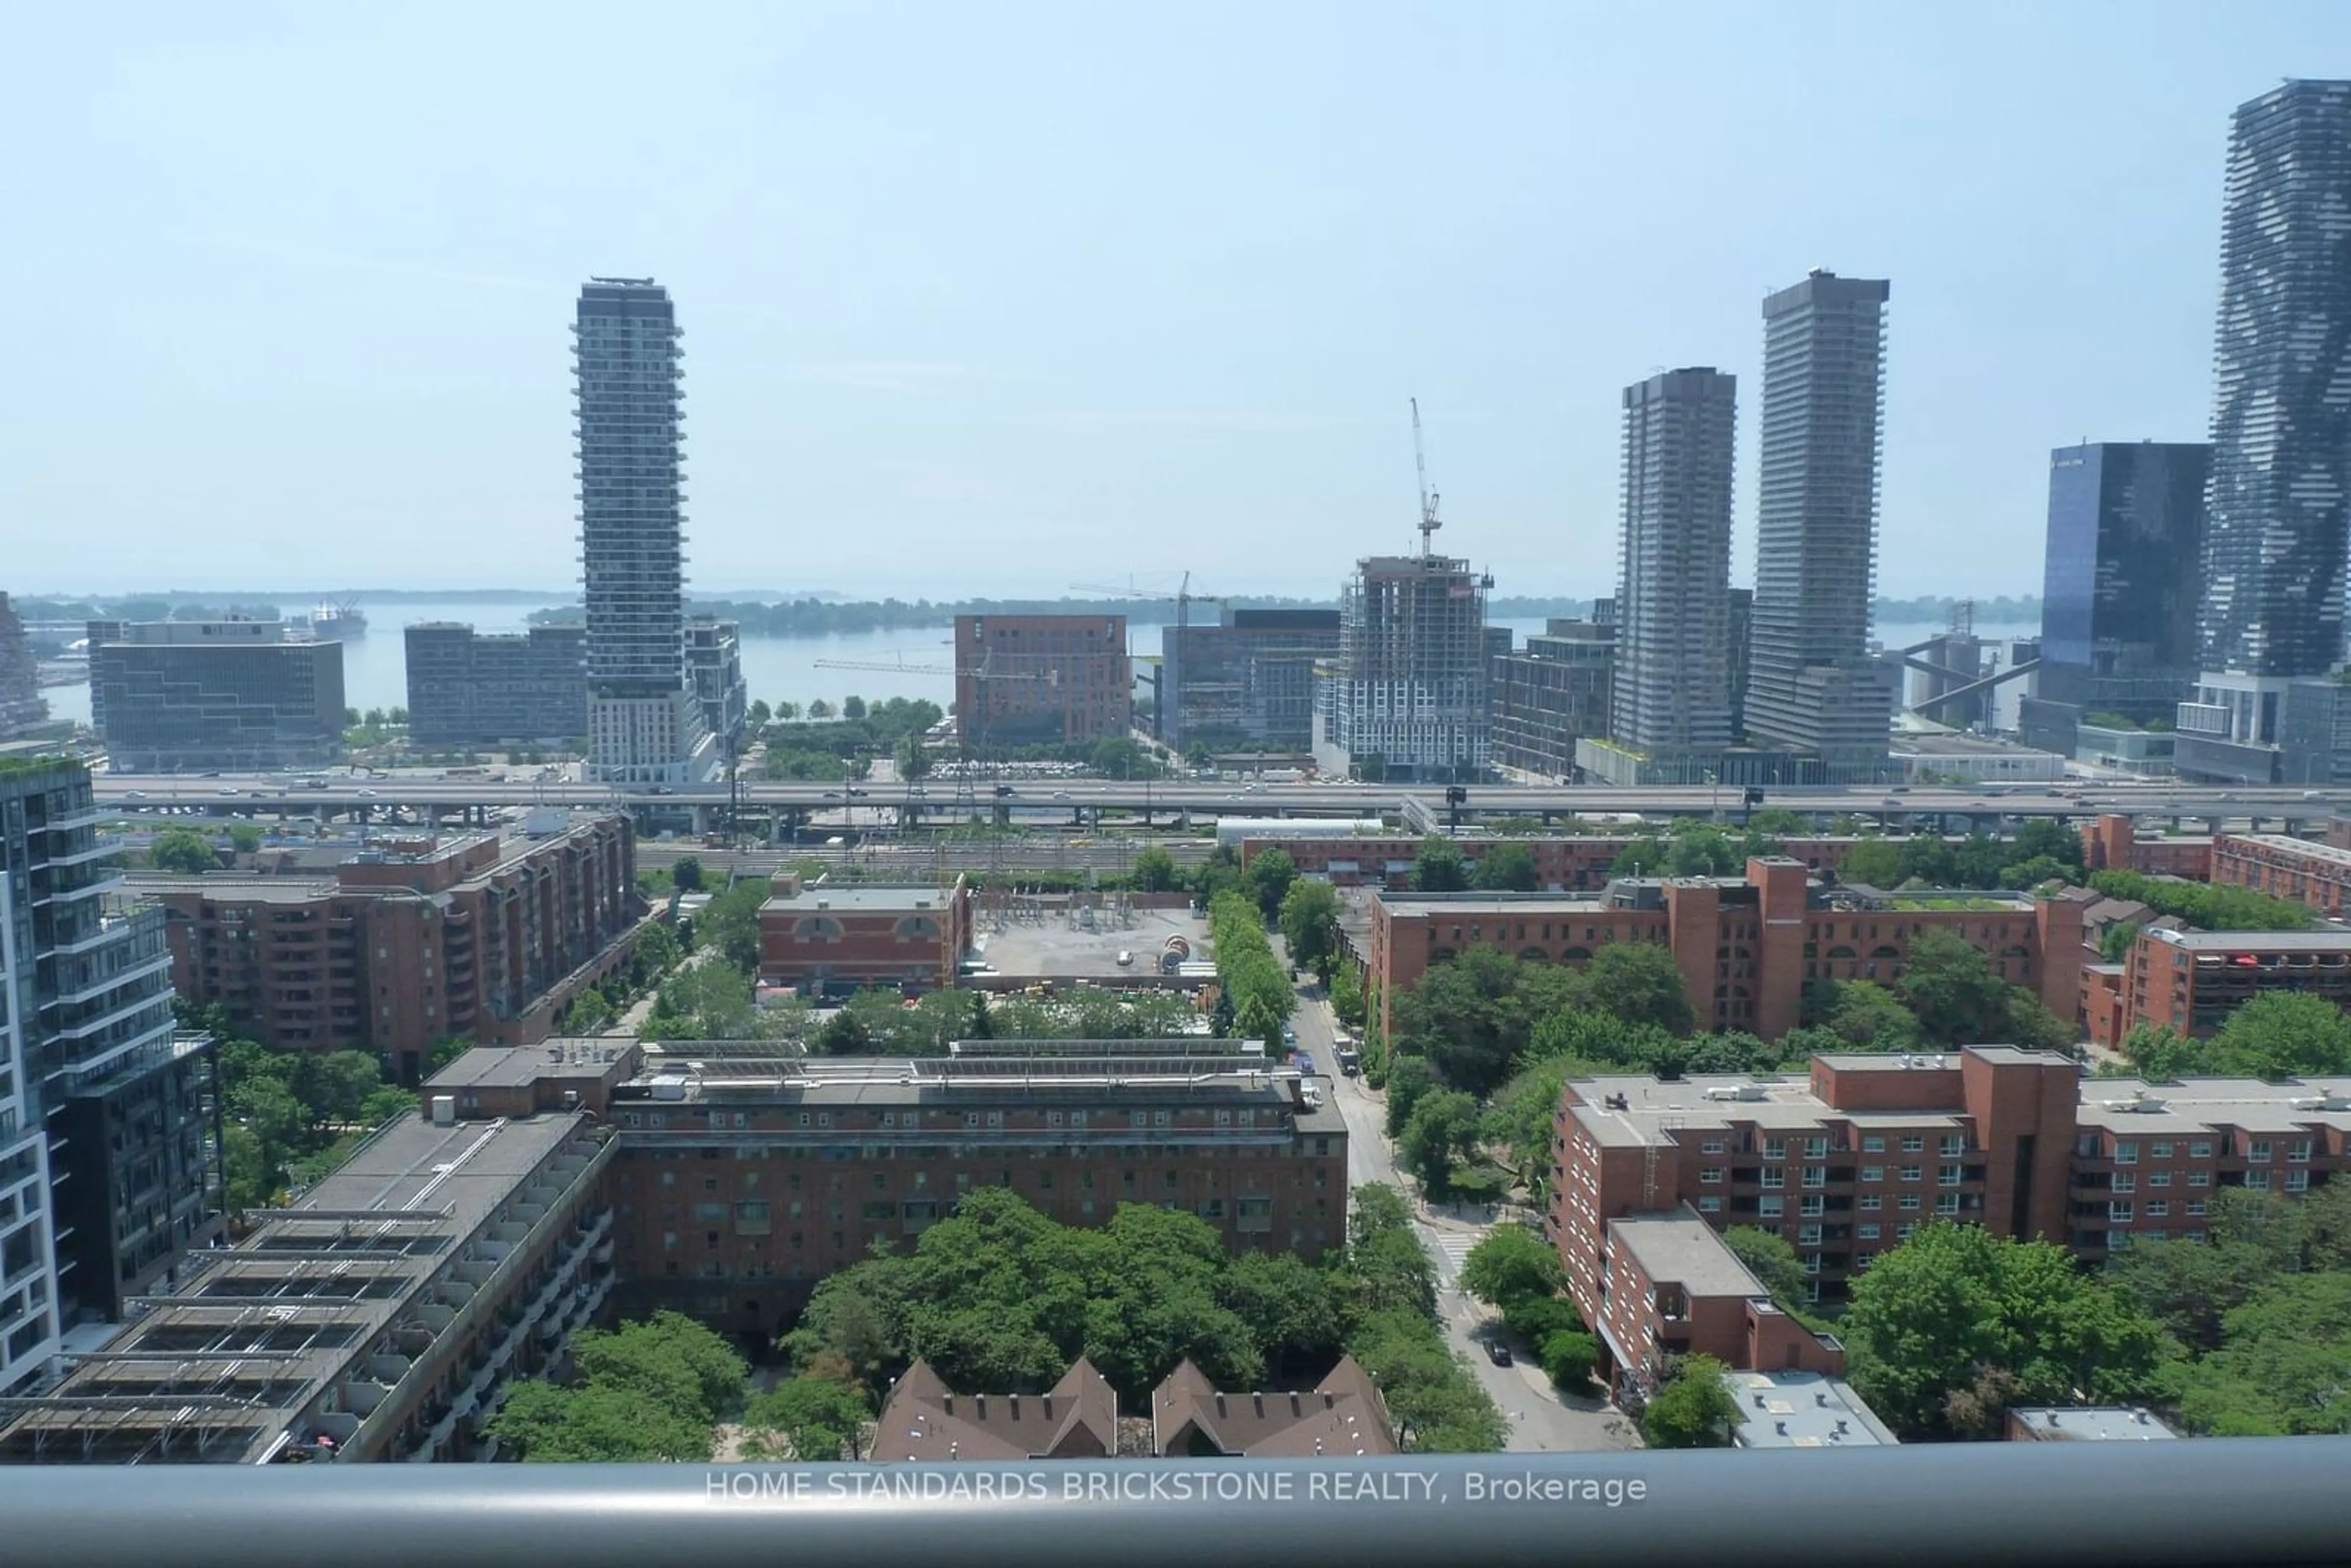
(1410,691)
(1247,681)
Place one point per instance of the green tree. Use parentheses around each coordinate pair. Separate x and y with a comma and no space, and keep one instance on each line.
(1695,1409)
(1442,1130)
(1474,1016)
(1270,877)
(180,850)
(1932,1313)
(820,709)
(729,924)
(844,1034)
(1771,1261)
(816,1416)
(1410,1078)
(649,1391)
(758,713)
(2114,943)
(913,759)
(1155,870)
(686,873)
(1507,868)
(1636,983)
(1865,1016)
(2043,837)
(1952,991)
(1872,863)
(244,837)
(852,708)
(2284,1034)
(1511,1262)
(1310,925)
(1779,822)
(1440,866)
(1569,1356)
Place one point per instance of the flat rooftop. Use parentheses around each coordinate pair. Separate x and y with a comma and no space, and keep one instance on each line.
(2220,942)
(857,898)
(2124,1105)
(1802,1410)
(1496,903)
(1652,1111)
(2094,1423)
(1678,1248)
(2307,848)
(1046,943)
(513,1067)
(218,1370)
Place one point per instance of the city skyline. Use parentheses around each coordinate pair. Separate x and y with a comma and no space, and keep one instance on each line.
(1012,390)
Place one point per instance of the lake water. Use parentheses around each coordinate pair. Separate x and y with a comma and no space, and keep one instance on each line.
(776,669)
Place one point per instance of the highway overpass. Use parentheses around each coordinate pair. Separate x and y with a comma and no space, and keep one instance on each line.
(1077,798)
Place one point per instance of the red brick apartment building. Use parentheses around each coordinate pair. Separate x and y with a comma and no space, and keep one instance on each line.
(1848,1161)
(1042,680)
(2192,980)
(484,937)
(1746,946)
(2113,843)
(744,1177)
(2297,870)
(1564,864)
(827,939)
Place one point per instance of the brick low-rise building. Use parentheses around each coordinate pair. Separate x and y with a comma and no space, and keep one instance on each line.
(2113,842)
(2192,980)
(1850,1160)
(1564,864)
(829,939)
(485,937)
(2314,874)
(1746,946)
(746,1175)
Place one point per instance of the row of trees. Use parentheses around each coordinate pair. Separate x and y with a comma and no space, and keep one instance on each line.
(2208,906)
(289,1115)
(1256,984)
(882,1023)
(2276,1036)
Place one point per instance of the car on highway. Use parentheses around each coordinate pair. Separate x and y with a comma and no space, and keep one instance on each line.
(135,795)
(227,789)
(832,794)
(369,793)
(1060,794)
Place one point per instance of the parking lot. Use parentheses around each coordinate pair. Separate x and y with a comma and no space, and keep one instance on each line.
(1052,946)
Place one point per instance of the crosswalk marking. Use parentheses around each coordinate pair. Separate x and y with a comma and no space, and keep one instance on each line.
(1453,1247)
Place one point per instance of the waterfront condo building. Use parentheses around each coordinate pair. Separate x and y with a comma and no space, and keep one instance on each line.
(1814,692)
(185,696)
(645,722)
(2278,509)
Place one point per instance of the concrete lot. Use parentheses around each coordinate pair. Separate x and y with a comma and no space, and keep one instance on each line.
(1054,948)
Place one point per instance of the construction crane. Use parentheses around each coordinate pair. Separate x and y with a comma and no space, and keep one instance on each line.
(1428,523)
(1184,596)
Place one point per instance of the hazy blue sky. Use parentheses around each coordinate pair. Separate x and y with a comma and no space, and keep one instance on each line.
(1004,298)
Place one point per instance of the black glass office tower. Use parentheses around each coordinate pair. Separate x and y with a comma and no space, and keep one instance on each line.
(2120,586)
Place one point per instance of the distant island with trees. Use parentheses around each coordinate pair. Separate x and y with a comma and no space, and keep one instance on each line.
(826,614)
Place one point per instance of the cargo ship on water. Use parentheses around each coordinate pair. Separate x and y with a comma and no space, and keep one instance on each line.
(338,622)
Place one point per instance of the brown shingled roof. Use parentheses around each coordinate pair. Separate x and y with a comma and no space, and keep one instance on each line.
(1342,1414)
(923,1419)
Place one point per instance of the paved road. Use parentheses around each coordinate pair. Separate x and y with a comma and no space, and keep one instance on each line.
(1229,797)
(1541,1419)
